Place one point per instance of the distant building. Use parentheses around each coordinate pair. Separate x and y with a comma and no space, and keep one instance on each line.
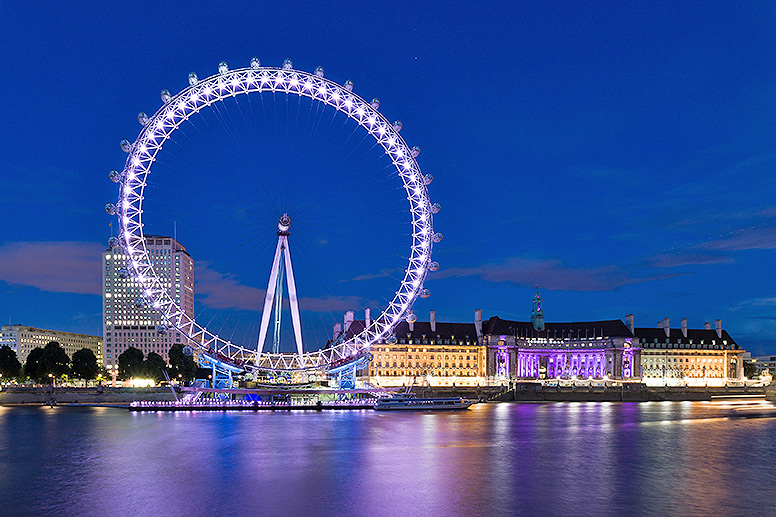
(427,353)
(128,319)
(763,363)
(23,339)
(682,356)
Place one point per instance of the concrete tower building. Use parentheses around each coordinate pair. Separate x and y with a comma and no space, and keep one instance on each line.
(127,320)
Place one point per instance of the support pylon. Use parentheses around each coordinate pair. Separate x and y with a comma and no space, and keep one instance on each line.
(284,225)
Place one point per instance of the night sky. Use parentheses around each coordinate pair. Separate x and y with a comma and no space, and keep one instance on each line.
(619,156)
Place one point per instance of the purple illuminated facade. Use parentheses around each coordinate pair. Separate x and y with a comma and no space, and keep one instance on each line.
(595,349)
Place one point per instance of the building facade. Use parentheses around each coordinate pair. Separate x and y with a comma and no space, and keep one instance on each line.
(688,357)
(23,340)
(425,353)
(128,319)
(516,350)
(536,350)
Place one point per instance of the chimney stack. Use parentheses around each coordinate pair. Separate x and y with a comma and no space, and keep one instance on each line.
(707,325)
(432,320)
(349,316)
(367,318)
(718,328)
(667,327)
(337,330)
(684,327)
(411,318)
(478,323)
(631,324)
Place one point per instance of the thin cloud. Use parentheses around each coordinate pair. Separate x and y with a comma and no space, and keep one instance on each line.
(759,302)
(219,290)
(59,267)
(757,238)
(330,304)
(385,273)
(721,249)
(222,291)
(551,274)
(688,258)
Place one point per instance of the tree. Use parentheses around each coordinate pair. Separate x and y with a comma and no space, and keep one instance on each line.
(750,369)
(153,366)
(10,367)
(54,361)
(182,365)
(130,363)
(85,364)
(32,368)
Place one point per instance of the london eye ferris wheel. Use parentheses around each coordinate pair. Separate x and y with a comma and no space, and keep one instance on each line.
(395,173)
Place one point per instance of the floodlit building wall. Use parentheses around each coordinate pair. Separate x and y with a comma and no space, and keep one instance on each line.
(23,340)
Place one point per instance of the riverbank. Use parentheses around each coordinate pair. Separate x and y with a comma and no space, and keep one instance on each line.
(534,392)
(519,392)
(96,396)
(624,393)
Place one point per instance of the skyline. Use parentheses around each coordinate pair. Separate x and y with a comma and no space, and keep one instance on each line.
(616,156)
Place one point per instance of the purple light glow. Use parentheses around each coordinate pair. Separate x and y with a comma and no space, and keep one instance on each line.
(532,363)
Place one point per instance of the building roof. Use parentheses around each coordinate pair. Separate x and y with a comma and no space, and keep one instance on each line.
(19,327)
(465,331)
(574,330)
(650,334)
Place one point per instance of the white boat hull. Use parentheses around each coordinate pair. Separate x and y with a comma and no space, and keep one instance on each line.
(422,405)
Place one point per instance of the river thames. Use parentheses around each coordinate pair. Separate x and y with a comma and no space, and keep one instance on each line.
(657,458)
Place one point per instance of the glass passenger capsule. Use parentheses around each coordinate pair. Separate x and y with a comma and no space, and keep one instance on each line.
(375,103)
(438,237)
(433,266)
(319,71)
(111,208)
(255,63)
(435,208)
(223,67)
(397,126)
(415,151)
(193,79)
(125,145)
(122,273)
(113,242)
(165,95)
(428,178)
(425,293)
(411,318)
(140,303)
(349,85)
(187,350)
(142,118)
(161,329)
(287,64)
(391,340)
(115,176)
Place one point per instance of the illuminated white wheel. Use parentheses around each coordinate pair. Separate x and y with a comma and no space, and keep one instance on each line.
(200,95)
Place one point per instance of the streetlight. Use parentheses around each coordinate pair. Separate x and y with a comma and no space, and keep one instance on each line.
(51,380)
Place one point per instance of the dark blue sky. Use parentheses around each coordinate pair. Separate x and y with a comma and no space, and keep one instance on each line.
(620,156)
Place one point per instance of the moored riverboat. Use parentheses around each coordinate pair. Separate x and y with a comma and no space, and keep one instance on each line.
(408,401)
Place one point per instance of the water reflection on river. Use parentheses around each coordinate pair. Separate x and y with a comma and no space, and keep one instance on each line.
(495,459)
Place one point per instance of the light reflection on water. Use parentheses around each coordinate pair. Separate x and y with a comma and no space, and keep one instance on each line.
(495,459)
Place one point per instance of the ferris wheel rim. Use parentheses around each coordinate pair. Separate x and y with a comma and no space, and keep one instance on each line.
(201,94)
